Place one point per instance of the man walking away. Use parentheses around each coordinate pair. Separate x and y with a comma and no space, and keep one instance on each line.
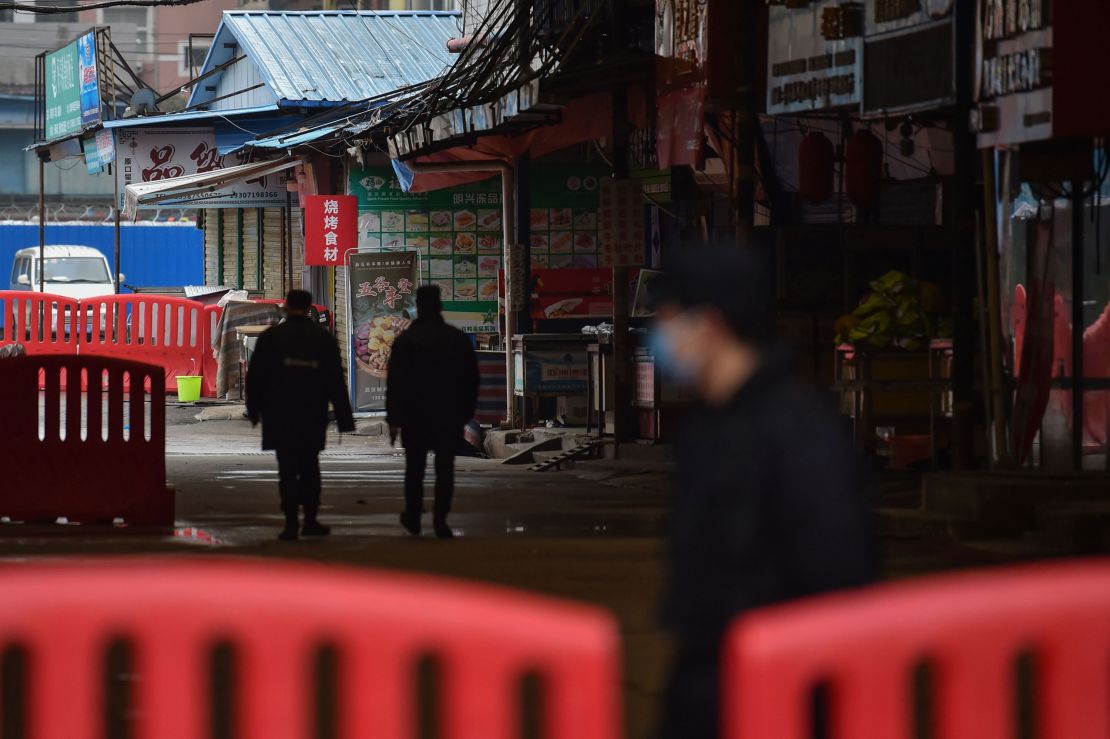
(431,394)
(768,504)
(294,374)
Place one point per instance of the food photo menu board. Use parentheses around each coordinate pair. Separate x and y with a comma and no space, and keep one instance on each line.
(457,233)
(564,220)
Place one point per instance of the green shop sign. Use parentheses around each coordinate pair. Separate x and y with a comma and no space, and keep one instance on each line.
(72,91)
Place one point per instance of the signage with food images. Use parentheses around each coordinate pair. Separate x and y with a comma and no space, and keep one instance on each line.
(455,232)
(566,200)
(381,303)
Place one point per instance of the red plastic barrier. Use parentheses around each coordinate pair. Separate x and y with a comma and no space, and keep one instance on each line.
(970,629)
(43,323)
(88,456)
(275,617)
(169,332)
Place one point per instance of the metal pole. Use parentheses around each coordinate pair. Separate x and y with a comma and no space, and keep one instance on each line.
(289,234)
(508,233)
(993,315)
(1077,421)
(115,207)
(42,222)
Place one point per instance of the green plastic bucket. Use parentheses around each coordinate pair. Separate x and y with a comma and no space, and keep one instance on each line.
(188,388)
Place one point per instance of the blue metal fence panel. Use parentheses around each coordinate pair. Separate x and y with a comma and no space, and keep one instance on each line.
(150,256)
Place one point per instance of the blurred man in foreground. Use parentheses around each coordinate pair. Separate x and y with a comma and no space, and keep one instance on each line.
(294,374)
(431,394)
(768,503)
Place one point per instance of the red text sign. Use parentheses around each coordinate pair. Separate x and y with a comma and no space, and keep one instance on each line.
(330,229)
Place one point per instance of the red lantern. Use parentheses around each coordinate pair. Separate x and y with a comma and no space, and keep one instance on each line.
(815,168)
(863,170)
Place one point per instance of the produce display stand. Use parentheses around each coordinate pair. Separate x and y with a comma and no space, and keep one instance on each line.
(906,392)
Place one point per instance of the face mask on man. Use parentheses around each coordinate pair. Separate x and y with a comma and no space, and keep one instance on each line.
(664,341)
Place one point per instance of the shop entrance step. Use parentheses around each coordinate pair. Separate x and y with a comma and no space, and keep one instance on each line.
(588,449)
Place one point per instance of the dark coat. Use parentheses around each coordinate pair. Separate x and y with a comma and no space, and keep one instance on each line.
(769,506)
(432,386)
(294,374)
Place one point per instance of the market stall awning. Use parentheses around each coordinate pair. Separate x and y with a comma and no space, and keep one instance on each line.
(198,185)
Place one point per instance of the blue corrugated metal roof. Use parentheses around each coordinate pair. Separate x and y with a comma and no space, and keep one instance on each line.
(187,117)
(330,57)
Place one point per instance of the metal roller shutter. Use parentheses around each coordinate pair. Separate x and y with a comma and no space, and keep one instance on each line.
(271,251)
(231,246)
(252,267)
(211,247)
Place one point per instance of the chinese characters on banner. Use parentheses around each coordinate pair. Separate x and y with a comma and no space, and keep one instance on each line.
(622,223)
(152,154)
(381,303)
(330,229)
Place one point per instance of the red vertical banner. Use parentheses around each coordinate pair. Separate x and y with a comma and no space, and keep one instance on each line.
(330,229)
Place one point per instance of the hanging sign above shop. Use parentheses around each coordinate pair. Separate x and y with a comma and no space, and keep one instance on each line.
(908,57)
(152,154)
(330,229)
(1034,76)
(815,57)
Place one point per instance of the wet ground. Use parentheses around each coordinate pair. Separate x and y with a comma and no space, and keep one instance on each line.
(592,533)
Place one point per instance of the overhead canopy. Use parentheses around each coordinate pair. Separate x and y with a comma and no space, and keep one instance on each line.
(196,186)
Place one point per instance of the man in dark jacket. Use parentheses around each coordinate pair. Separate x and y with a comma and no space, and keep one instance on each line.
(431,394)
(768,504)
(294,374)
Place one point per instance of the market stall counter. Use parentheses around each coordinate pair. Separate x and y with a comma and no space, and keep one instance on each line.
(549,366)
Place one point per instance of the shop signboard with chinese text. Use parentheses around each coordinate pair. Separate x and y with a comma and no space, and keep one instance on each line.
(330,229)
(551,371)
(815,57)
(1036,75)
(71,88)
(152,154)
(908,56)
(381,304)
(458,232)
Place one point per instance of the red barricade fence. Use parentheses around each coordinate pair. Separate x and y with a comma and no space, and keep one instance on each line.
(276,619)
(89,456)
(166,331)
(967,631)
(43,323)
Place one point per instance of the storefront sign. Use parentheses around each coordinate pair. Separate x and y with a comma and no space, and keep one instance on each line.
(814,63)
(552,372)
(71,90)
(908,57)
(1013,72)
(152,154)
(458,231)
(680,30)
(622,216)
(381,304)
(330,229)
